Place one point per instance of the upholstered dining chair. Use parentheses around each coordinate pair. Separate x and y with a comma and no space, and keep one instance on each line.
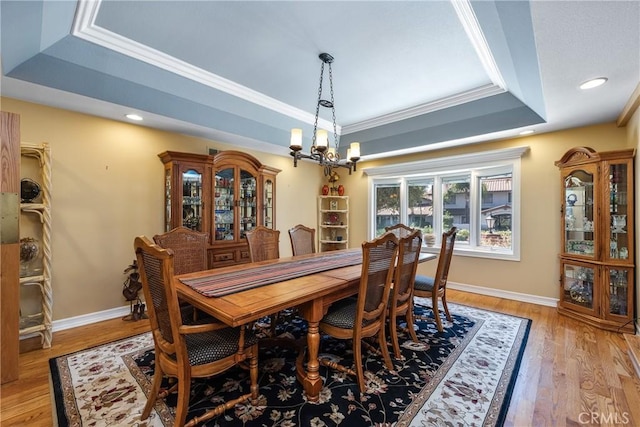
(264,243)
(303,240)
(188,350)
(436,287)
(189,248)
(401,303)
(364,317)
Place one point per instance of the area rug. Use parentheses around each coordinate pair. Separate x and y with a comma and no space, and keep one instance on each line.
(462,376)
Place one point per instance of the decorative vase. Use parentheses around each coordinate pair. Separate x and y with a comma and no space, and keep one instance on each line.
(29,249)
(325,190)
(340,190)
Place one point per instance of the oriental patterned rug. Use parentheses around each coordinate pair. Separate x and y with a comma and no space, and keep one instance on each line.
(462,376)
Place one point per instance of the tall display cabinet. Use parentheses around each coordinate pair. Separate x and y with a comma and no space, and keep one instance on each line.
(225,195)
(597,256)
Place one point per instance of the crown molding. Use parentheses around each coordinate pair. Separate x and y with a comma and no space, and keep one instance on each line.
(471,26)
(84,27)
(429,107)
(630,108)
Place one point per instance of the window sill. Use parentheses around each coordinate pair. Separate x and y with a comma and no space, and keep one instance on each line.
(487,253)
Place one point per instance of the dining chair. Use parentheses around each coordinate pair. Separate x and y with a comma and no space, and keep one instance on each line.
(189,248)
(436,287)
(365,316)
(264,243)
(400,230)
(187,350)
(401,303)
(303,240)
(189,254)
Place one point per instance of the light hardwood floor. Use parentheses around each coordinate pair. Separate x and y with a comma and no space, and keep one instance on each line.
(571,374)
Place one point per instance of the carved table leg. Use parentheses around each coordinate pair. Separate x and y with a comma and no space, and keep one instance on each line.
(310,378)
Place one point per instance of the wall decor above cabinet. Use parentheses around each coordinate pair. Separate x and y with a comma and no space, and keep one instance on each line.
(597,242)
(225,195)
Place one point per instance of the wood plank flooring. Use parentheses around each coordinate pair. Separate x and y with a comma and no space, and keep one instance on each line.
(571,375)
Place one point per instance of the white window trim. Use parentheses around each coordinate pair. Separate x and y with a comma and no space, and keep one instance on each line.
(401,172)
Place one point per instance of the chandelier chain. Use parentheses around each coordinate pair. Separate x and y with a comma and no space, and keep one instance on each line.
(333,110)
(315,123)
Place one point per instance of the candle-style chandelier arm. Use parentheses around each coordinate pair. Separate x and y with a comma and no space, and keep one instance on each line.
(326,156)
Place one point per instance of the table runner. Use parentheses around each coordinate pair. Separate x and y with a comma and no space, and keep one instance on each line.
(219,284)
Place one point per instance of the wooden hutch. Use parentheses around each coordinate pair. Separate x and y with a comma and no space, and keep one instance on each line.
(225,195)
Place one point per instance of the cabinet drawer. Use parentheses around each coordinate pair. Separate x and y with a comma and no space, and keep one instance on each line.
(223,256)
(244,256)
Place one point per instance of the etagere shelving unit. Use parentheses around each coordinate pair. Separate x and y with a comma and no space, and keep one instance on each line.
(36,303)
(333,223)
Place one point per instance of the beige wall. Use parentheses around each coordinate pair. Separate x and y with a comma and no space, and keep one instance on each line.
(108,188)
(537,271)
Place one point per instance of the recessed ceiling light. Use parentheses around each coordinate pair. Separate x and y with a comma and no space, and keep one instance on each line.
(527,132)
(135,117)
(590,84)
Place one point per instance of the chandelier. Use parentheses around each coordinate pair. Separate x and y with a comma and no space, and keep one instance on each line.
(328,157)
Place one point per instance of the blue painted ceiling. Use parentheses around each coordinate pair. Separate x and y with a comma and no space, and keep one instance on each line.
(407,75)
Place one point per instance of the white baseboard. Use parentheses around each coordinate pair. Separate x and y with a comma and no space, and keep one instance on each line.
(86,319)
(83,320)
(516,296)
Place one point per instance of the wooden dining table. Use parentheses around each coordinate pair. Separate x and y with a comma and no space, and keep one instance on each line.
(312,294)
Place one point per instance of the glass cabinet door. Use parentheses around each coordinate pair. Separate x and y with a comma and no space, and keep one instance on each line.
(618,212)
(268,203)
(579,214)
(224,203)
(618,300)
(248,208)
(578,284)
(192,208)
(167,199)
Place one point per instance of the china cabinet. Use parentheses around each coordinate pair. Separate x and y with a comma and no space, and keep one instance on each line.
(333,223)
(187,186)
(36,302)
(225,195)
(597,257)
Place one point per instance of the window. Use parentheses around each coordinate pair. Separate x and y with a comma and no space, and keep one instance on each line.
(479,194)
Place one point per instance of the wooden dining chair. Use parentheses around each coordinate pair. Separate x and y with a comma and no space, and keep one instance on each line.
(303,240)
(365,317)
(189,248)
(189,255)
(436,287)
(400,230)
(401,303)
(184,350)
(264,243)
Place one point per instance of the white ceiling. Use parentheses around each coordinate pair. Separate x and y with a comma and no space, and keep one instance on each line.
(408,75)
